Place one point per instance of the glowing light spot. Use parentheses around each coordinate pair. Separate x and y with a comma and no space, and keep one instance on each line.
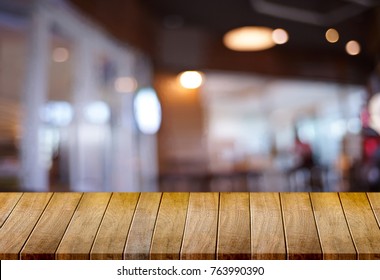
(97,112)
(147,110)
(191,79)
(332,35)
(125,84)
(353,47)
(249,38)
(280,36)
(60,55)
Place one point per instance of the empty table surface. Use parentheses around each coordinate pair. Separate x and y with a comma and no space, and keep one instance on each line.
(189,225)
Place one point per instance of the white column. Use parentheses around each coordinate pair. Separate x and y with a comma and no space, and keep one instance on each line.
(82,89)
(147,145)
(148,163)
(123,173)
(34,169)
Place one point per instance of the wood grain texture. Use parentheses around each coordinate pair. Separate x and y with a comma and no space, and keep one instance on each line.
(170,225)
(234,233)
(140,234)
(112,235)
(7,202)
(80,234)
(335,237)
(300,229)
(374,199)
(20,223)
(47,234)
(199,241)
(362,224)
(190,225)
(267,231)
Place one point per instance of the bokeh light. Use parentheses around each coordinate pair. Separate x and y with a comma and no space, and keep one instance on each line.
(191,79)
(125,84)
(60,54)
(249,38)
(332,35)
(280,36)
(353,47)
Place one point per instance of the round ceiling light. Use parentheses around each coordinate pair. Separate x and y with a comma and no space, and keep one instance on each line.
(332,35)
(280,36)
(249,38)
(190,79)
(353,47)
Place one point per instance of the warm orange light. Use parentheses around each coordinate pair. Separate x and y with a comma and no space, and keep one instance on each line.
(191,79)
(353,47)
(249,38)
(332,35)
(280,36)
(60,54)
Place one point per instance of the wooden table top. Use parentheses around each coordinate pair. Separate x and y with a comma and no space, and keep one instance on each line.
(189,225)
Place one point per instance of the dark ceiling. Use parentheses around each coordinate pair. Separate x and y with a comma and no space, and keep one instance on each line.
(180,34)
(306,21)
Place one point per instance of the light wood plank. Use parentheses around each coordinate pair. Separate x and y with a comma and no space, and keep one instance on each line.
(141,231)
(170,225)
(80,234)
(20,223)
(267,231)
(7,203)
(362,223)
(301,235)
(234,233)
(199,241)
(374,199)
(112,235)
(336,241)
(47,234)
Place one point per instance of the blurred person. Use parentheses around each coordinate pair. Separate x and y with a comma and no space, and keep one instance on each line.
(303,154)
(300,174)
(370,170)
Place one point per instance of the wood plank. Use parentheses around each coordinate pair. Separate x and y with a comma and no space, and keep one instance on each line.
(112,235)
(47,234)
(199,241)
(140,234)
(170,225)
(267,230)
(20,223)
(80,234)
(335,237)
(301,234)
(234,233)
(362,223)
(374,199)
(7,202)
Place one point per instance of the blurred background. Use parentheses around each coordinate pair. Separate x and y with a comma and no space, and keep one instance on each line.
(172,95)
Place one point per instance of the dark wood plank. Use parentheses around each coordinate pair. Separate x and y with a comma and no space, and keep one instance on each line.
(374,199)
(301,235)
(234,233)
(199,241)
(112,235)
(362,223)
(7,202)
(267,230)
(141,231)
(79,236)
(335,237)
(20,223)
(47,234)
(170,225)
